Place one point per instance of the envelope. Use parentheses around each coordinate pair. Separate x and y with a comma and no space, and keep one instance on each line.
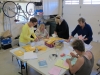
(41,48)
(19,53)
(29,48)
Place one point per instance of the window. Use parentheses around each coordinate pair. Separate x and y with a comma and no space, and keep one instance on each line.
(71,2)
(95,1)
(91,1)
(22,18)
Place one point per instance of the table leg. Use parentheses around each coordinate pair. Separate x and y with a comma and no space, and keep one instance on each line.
(18,62)
(21,69)
(26,70)
(12,58)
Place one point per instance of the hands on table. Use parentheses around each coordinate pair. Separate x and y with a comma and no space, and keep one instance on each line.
(36,39)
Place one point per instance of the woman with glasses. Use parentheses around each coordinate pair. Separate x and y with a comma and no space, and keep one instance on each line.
(27,31)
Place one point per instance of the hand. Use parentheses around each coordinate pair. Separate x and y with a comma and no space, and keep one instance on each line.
(55,33)
(39,37)
(85,39)
(81,37)
(67,40)
(72,54)
(47,37)
(68,61)
(36,40)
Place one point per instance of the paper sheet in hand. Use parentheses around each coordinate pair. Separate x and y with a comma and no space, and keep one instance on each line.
(80,37)
(66,57)
(73,61)
(30,55)
(55,71)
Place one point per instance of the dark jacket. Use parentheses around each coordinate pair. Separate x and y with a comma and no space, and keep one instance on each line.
(62,30)
(85,31)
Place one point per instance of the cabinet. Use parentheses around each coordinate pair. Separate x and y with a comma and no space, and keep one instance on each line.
(50,7)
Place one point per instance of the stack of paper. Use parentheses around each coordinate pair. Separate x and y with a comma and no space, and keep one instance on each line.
(29,48)
(19,53)
(41,48)
(55,71)
(30,55)
(61,63)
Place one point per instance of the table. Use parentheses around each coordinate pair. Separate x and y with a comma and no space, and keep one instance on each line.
(21,58)
(44,55)
(34,63)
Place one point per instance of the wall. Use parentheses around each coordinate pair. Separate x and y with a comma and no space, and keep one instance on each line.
(90,12)
(16,28)
(60,7)
(1,23)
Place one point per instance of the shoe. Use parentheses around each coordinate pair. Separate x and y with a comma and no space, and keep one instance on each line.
(23,67)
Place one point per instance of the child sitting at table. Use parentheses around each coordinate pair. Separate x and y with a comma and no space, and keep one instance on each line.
(41,32)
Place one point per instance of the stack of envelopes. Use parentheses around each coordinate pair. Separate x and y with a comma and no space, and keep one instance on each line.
(29,48)
(52,40)
(19,53)
(41,48)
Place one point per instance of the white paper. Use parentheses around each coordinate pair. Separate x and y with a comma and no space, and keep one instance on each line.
(30,55)
(37,43)
(88,47)
(66,51)
(66,43)
(70,47)
(33,44)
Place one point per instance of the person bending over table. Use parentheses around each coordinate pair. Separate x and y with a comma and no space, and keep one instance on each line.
(85,60)
(84,30)
(27,31)
(41,32)
(62,29)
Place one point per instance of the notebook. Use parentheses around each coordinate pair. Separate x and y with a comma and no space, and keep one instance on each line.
(42,63)
(55,71)
(61,63)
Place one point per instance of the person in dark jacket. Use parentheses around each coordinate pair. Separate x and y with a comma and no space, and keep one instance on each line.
(84,30)
(62,29)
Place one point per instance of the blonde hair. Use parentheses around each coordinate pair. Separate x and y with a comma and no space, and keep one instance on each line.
(58,17)
(42,25)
